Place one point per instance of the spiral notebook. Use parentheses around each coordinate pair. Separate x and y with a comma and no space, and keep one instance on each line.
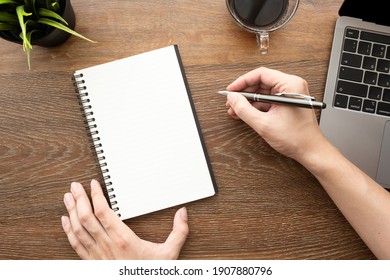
(145,132)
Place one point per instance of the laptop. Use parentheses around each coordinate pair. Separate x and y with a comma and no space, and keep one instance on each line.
(357,90)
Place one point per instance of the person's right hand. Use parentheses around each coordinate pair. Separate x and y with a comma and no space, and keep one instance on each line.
(290,130)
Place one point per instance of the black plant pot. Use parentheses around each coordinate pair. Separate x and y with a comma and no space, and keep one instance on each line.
(55,37)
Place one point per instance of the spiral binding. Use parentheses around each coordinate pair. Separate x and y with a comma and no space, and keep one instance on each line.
(93,132)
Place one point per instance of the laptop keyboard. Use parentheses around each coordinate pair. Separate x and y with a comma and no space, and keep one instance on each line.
(364,75)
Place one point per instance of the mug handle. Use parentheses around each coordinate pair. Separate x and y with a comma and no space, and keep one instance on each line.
(262,41)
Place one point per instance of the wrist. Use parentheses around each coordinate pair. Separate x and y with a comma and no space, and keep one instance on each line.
(319,157)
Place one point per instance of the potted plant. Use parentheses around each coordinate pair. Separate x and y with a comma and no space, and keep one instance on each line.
(46,23)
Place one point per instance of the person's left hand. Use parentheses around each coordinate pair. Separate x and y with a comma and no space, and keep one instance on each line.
(98,233)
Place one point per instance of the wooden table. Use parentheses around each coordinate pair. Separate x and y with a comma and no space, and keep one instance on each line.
(268,206)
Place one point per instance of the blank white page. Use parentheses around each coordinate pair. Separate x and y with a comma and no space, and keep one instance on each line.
(148,130)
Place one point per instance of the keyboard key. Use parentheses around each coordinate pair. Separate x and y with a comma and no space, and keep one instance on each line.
(350,45)
(355,104)
(383,65)
(353,60)
(341,101)
(378,50)
(375,37)
(370,77)
(364,72)
(354,89)
(384,80)
(375,93)
(351,74)
(369,106)
(383,109)
(386,95)
(369,63)
(364,48)
(352,33)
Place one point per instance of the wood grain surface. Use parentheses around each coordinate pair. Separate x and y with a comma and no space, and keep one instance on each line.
(267,206)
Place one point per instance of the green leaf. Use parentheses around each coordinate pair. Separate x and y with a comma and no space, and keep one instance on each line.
(21,13)
(8,18)
(25,37)
(7,27)
(29,2)
(62,27)
(28,50)
(29,5)
(47,13)
(34,9)
(55,6)
(7,2)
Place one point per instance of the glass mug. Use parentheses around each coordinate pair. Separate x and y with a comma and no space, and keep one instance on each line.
(262,17)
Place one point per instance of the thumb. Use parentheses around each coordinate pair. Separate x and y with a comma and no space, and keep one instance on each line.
(244,110)
(179,233)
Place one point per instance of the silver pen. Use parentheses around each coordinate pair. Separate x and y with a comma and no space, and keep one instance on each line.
(294,99)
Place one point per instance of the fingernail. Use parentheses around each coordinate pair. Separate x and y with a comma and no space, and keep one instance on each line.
(183,214)
(74,187)
(94,183)
(68,199)
(64,221)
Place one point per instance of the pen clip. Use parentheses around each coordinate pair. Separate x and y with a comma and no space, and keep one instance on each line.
(296,95)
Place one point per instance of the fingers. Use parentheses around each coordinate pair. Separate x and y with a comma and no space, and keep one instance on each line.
(99,233)
(72,238)
(264,107)
(85,213)
(75,232)
(74,207)
(260,80)
(106,216)
(240,107)
(265,81)
(178,236)
(83,229)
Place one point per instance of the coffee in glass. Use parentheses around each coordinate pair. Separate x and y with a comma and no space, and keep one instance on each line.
(262,16)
